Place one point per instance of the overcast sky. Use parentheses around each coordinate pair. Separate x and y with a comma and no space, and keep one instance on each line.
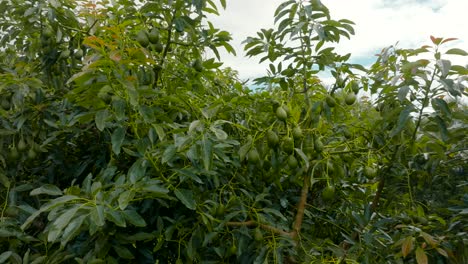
(379,23)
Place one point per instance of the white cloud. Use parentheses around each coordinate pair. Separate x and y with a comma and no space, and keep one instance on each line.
(379,23)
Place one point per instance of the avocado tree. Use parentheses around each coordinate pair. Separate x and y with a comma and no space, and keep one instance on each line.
(123,141)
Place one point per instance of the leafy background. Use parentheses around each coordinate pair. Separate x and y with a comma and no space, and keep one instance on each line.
(123,141)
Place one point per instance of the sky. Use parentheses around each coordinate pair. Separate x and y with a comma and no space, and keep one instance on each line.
(379,24)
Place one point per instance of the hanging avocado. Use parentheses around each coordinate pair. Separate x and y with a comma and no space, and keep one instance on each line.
(142,38)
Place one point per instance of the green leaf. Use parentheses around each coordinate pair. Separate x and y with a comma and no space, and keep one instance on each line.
(155,188)
(46,189)
(50,205)
(207,147)
(186,197)
(72,229)
(5,256)
(116,217)
(444,66)
(119,106)
(456,51)
(62,221)
(134,218)
(137,171)
(117,139)
(403,92)
(219,133)
(442,128)
(123,252)
(4,180)
(283,6)
(125,198)
(59,224)
(244,149)
(303,156)
(100,119)
(441,106)
(275,212)
(97,215)
(404,116)
(168,154)
(159,131)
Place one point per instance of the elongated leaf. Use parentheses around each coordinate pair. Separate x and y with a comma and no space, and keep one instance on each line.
(125,198)
(46,189)
(160,131)
(219,133)
(244,149)
(404,116)
(186,197)
(456,51)
(275,212)
(72,229)
(100,119)
(137,171)
(303,156)
(4,180)
(442,128)
(444,66)
(97,215)
(223,3)
(134,218)
(4,256)
(207,147)
(441,106)
(48,206)
(116,217)
(117,139)
(442,252)
(123,252)
(168,154)
(429,239)
(60,223)
(421,257)
(407,246)
(403,92)
(155,188)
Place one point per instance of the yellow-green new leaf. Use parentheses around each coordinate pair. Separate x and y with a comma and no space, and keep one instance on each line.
(421,257)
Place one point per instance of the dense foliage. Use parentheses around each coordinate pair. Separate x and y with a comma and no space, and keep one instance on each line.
(122,141)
